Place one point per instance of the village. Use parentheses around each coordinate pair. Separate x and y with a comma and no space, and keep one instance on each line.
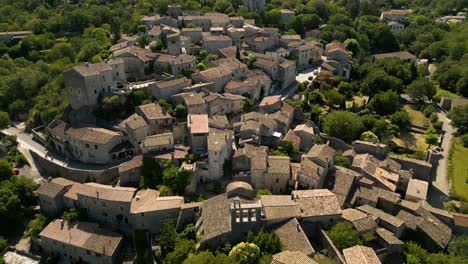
(205,126)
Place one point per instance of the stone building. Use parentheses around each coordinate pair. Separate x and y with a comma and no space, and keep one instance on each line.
(89,144)
(50,195)
(318,206)
(158,144)
(198,129)
(257,6)
(213,43)
(219,151)
(166,89)
(360,254)
(80,242)
(219,77)
(278,174)
(136,129)
(158,119)
(87,83)
(138,62)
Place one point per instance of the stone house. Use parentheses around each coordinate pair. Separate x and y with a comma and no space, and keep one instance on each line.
(219,151)
(286,15)
(395,26)
(311,175)
(395,15)
(417,190)
(212,43)
(229,216)
(89,144)
(287,72)
(150,21)
(389,241)
(344,180)
(319,206)
(401,55)
(283,118)
(138,62)
(323,155)
(279,210)
(173,44)
(362,222)
(149,211)
(258,168)
(460,223)
(241,157)
(154,34)
(130,171)
(195,34)
(395,224)
(257,6)
(293,238)
(174,64)
(338,58)
(156,116)
(166,89)
(193,101)
(87,83)
(198,129)
(360,254)
(278,174)
(107,204)
(306,55)
(80,242)
(291,257)
(224,103)
(256,85)
(136,129)
(238,69)
(219,77)
(306,133)
(158,144)
(270,104)
(262,43)
(50,195)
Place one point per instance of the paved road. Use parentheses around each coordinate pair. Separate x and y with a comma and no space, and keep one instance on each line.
(27,145)
(441,181)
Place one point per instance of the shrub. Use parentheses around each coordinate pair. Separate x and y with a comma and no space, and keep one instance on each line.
(464,139)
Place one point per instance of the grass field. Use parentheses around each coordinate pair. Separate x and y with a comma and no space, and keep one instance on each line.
(417,117)
(412,141)
(458,169)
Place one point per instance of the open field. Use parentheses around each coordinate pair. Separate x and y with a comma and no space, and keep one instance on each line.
(458,169)
(417,117)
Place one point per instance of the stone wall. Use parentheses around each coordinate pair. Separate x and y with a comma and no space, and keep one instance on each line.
(335,143)
(421,170)
(333,251)
(50,168)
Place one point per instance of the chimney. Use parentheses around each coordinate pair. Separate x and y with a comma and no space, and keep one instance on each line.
(298,227)
(61,224)
(87,64)
(97,194)
(137,198)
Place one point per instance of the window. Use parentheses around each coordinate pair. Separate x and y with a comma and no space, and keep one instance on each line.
(95,146)
(277,180)
(87,145)
(95,91)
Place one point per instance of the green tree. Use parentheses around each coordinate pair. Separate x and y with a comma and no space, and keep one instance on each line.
(23,188)
(165,190)
(167,237)
(4,120)
(5,169)
(268,242)
(151,173)
(431,138)
(342,161)
(262,192)
(206,257)
(311,21)
(245,253)
(458,246)
(369,136)
(286,149)
(401,119)
(297,24)
(462,86)
(344,235)
(180,111)
(385,103)
(459,118)
(342,124)
(36,225)
(333,97)
(421,88)
(73,215)
(273,17)
(181,250)
(157,46)
(3,243)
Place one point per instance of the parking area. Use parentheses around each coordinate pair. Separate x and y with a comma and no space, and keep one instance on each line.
(307,73)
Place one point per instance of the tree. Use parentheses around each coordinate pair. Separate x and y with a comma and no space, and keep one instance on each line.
(459,118)
(431,137)
(4,120)
(5,170)
(201,66)
(245,253)
(370,137)
(297,24)
(342,161)
(401,119)
(385,103)
(165,190)
(3,243)
(180,111)
(167,237)
(73,215)
(343,125)
(462,86)
(268,242)
(206,257)
(273,17)
(262,192)
(151,173)
(311,21)
(353,46)
(458,246)
(181,250)
(36,225)
(286,149)
(23,188)
(421,88)
(157,46)
(464,139)
(344,235)
(10,211)
(346,89)
(333,97)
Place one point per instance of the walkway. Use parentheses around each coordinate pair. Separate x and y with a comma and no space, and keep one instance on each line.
(441,180)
